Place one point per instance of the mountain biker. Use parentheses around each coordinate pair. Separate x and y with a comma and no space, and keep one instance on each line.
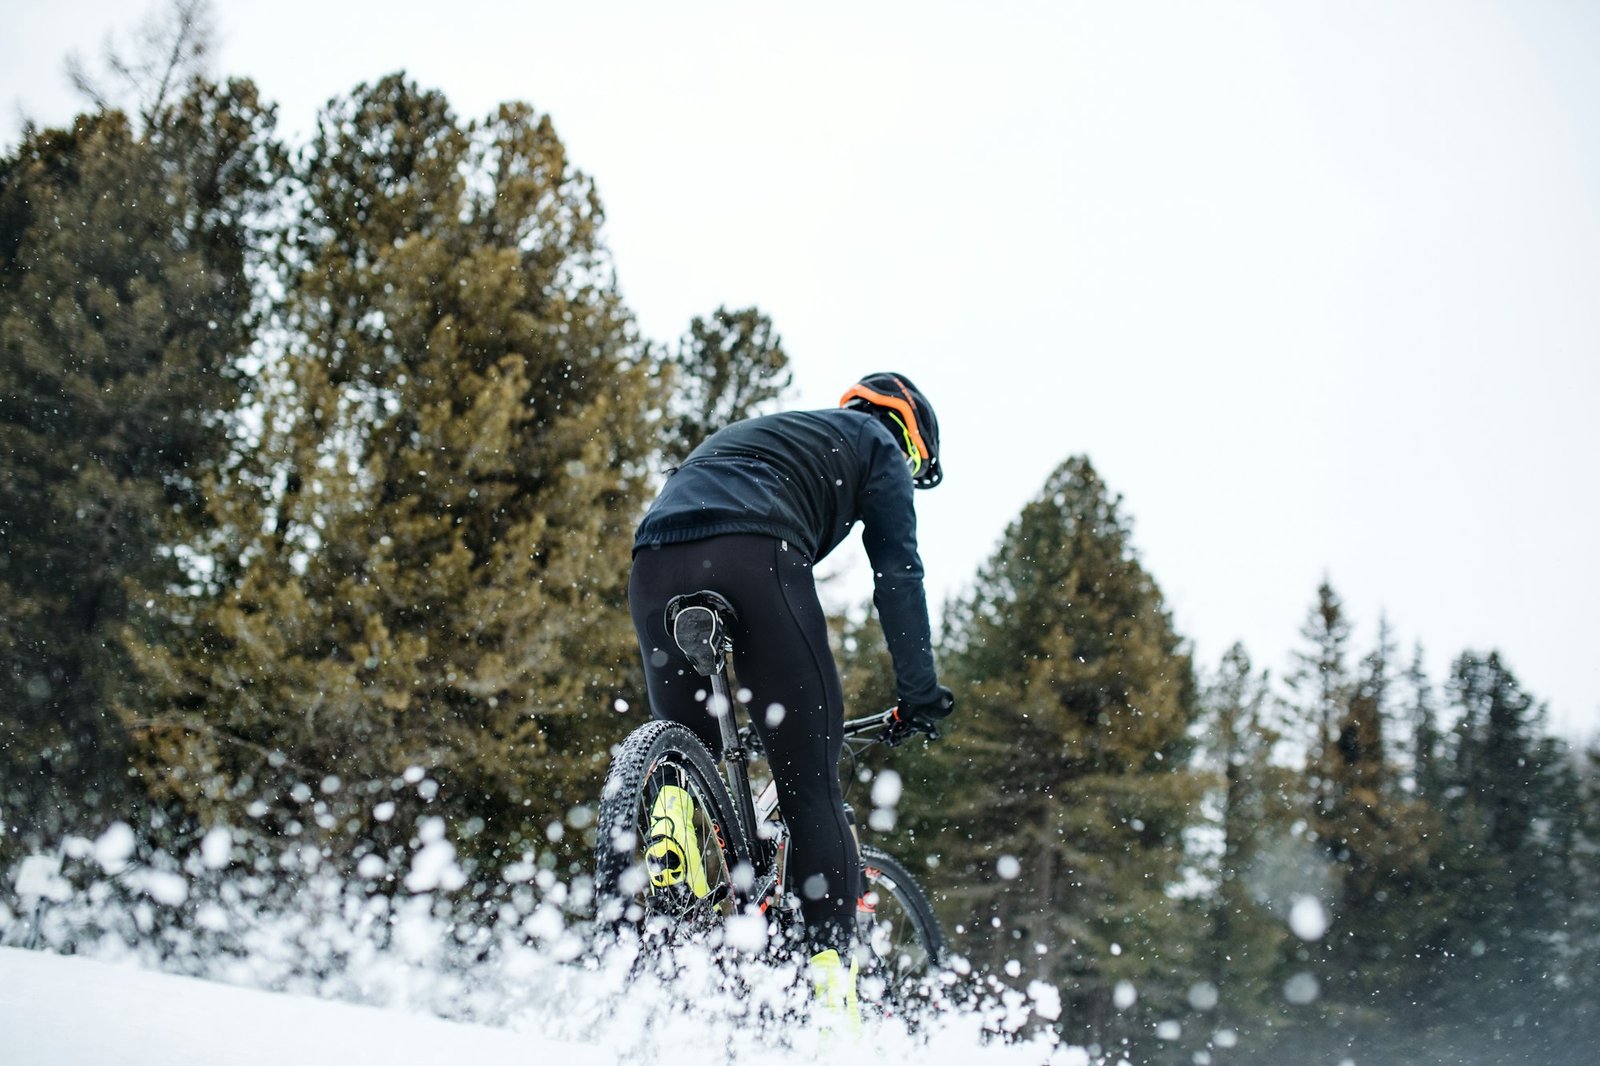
(748,514)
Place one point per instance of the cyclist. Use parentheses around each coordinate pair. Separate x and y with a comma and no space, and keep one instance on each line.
(748,514)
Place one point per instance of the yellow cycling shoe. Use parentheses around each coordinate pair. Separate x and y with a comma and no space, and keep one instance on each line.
(836,991)
(673,854)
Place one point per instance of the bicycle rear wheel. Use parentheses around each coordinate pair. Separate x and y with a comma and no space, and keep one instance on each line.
(668,844)
(897,925)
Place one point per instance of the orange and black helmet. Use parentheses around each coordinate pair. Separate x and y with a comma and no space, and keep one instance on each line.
(909,417)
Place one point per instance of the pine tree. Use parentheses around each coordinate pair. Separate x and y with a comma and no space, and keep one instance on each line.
(124,310)
(1381,840)
(1426,740)
(1322,680)
(1408,912)
(1252,795)
(1375,839)
(1354,822)
(1580,943)
(433,545)
(1057,804)
(727,367)
(1512,793)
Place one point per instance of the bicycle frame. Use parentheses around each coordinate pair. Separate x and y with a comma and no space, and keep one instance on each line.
(736,755)
(698,623)
(735,760)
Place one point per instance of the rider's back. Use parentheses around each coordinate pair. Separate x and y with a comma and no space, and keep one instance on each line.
(802,476)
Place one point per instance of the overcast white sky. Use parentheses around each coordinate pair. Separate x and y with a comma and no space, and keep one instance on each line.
(1316,286)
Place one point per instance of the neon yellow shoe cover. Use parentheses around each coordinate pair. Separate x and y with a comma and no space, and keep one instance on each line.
(673,854)
(836,991)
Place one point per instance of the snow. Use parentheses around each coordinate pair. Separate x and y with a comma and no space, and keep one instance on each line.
(60,1010)
(39,877)
(1046,1000)
(1301,989)
(241,954)
(435,865)
(68,1011)
(1307,918)
(343,979)
(114,846)
(1203,995)
(216,849)
(887,789)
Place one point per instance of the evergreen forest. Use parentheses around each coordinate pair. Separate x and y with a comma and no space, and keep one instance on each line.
(319,469)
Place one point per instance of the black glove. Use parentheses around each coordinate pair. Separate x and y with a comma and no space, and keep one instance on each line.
(927,716)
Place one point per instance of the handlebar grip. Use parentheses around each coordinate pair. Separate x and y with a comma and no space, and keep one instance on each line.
(901,725)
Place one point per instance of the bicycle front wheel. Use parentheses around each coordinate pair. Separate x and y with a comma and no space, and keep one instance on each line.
(897,925)
(668,844)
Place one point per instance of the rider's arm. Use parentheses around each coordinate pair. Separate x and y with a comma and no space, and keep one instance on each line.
(889,533)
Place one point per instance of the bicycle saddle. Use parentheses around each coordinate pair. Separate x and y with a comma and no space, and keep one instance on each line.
(698,622)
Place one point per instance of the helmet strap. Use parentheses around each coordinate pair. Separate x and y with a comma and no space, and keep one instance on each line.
(907,445)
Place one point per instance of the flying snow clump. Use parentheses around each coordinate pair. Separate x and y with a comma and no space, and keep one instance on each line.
(1301,989)
(114,847)
(216,848)
(1046,1000)
(1307,918)
(434,866)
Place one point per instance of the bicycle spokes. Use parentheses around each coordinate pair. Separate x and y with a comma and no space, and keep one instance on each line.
(683,850)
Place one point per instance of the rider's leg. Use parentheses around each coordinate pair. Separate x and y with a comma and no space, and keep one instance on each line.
(798,705)
(781,654)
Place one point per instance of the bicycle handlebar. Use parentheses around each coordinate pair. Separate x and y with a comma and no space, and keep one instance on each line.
(888,727)
(869,723)
(894,726)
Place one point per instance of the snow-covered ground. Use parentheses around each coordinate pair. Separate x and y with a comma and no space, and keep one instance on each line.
(236,957)
(71,1011)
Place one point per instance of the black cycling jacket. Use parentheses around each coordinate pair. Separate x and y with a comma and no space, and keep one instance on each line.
(807,477)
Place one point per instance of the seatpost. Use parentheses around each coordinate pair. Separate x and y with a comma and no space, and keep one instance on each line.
(698,623)
(735,761)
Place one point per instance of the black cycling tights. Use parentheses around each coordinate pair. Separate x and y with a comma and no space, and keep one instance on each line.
(781,656)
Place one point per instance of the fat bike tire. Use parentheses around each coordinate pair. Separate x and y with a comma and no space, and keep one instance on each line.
(905,944)
(654,756)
